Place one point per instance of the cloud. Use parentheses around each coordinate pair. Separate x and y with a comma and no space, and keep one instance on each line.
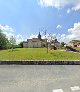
(68,11)
(8,31)
(53,3)
(19,38)
(58,26)
(75,31)
(6,28)
(73,34)
(57,3)
(33,36)
(76,8)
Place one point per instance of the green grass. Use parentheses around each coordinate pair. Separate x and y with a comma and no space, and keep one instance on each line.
(37,54)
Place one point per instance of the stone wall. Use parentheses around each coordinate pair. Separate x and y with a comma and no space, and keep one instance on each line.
(40,62)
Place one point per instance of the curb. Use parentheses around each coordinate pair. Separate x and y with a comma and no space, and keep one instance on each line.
(39,62)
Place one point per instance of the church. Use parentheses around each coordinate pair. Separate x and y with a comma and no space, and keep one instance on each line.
(35,42)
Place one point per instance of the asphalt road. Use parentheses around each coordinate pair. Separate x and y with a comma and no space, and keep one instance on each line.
(39,78)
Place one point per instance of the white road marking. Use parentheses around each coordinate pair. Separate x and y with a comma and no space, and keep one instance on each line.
(75,88)
(58,90)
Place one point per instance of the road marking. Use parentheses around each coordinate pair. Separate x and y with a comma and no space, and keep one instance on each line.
(58,90)
(75,88)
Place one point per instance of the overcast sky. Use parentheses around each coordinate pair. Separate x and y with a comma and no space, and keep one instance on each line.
(25,18)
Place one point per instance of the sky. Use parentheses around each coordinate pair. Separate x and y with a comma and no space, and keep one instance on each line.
(26,18)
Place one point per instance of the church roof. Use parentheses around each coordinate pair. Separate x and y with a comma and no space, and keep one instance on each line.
(36,40)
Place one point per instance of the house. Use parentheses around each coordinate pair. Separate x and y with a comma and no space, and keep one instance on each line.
(54,43)
(74,43)
(35,42)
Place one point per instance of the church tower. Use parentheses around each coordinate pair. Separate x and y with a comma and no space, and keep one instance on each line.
(39,36)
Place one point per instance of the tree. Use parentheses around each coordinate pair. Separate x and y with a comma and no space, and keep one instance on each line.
(21,44)
(49,38)
(62,44)
(3,41)
(12,42)
(45,34)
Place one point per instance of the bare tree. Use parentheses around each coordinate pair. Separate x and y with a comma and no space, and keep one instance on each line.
(45,34)
(12,42)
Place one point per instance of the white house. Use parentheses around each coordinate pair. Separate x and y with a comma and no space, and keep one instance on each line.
(74,43)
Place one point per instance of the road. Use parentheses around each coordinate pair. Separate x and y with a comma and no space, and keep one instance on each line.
(39,78)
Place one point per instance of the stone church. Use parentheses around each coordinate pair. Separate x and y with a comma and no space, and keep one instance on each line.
(35,42)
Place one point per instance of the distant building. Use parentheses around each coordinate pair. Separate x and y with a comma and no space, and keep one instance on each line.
(35,42)
(54,43)
(40,43)
(74,43)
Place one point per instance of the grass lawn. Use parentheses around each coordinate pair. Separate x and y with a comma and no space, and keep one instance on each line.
(37,54)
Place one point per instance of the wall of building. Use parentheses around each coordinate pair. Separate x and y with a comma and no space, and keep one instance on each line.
(25,45)
(76,44)
(30,45)
(43,44)
(34,44)
(38,44)
(57,45)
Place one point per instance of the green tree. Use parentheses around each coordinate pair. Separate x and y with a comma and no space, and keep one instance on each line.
(21,44)
(3,41)
(62,44)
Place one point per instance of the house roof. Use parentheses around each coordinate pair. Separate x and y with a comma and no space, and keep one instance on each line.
(73,41)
